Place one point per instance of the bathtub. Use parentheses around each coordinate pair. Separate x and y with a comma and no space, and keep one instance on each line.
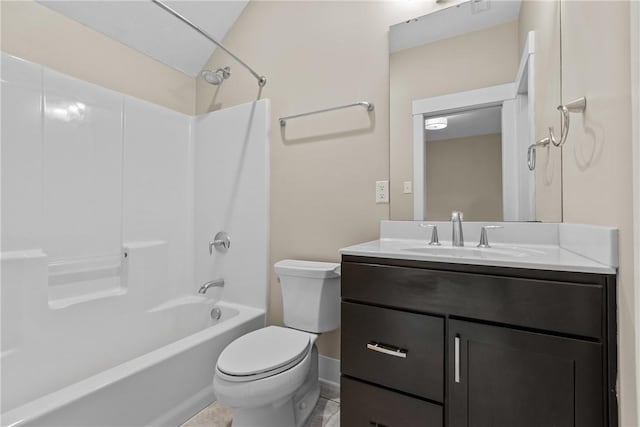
(171,349)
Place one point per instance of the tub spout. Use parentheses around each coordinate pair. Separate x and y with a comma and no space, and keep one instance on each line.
(219,283)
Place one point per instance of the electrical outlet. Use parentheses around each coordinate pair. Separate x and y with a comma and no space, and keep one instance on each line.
(407,187)
(382,191)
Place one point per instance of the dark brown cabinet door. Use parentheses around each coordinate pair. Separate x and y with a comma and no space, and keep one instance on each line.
(501,377)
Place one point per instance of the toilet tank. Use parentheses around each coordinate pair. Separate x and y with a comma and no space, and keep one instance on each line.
(310,294)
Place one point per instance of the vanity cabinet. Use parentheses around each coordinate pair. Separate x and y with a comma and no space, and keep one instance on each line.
(508,377)
(440,344)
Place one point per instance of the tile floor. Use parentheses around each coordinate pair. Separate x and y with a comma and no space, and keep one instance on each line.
(325,414)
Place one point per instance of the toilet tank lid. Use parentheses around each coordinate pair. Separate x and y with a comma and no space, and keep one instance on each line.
(314,269)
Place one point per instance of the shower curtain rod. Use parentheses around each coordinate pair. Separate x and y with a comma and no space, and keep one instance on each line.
(262,80)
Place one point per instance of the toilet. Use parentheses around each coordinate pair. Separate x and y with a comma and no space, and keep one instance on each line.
(270,376)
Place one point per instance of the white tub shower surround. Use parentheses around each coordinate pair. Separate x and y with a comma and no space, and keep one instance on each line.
(108,205)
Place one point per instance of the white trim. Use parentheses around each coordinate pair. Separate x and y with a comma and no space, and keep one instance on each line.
(419,169)
(329,370)
(529,49)
(510,168)
(467,100)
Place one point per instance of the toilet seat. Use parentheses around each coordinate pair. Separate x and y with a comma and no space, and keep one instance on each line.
(263,353)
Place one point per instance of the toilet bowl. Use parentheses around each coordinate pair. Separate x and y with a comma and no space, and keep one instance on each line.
(270,376)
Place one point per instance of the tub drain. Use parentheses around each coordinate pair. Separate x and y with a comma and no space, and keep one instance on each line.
(216,313)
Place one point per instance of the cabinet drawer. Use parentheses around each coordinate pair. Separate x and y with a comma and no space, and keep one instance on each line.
(564,307)
(366,405)
(400,350)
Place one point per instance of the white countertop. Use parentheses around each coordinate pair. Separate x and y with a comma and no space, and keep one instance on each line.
(570,247)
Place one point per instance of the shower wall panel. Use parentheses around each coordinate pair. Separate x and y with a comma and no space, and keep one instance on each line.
(158,182)
(82,165)
(21,153)
(232,195)
(86,170)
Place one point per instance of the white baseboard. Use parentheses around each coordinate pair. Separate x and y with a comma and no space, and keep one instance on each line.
(329,370)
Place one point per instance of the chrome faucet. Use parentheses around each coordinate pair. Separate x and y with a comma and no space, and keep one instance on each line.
(218,283)
(457,239)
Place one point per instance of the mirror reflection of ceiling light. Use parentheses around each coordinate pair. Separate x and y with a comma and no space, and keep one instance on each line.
(435,123)
(67,112)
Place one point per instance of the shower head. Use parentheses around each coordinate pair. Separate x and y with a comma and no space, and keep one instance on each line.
(216,77)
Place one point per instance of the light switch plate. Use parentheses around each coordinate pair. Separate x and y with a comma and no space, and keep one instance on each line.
(407,187)
(382,191)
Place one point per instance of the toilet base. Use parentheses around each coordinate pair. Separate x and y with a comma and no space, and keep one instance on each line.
(292,411)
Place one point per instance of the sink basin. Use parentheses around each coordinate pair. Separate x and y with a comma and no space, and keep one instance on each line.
(511,252)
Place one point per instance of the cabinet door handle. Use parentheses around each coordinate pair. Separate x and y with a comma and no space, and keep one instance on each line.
(391,351)
(456,356)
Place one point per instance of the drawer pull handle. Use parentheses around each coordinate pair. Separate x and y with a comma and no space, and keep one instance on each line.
(456,365)
(391,351)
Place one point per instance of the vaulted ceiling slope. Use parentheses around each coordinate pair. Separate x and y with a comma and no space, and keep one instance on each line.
(147,28)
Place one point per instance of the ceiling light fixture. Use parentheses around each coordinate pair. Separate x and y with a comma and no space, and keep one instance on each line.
(435,123)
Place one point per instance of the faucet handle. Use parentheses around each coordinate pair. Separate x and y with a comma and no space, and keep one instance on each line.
(434,234)
(484,240)
(221,241)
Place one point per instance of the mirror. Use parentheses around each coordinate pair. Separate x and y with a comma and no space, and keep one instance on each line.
(471,141)
(472,87)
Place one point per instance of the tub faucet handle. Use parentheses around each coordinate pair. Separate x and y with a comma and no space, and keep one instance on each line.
(221,241)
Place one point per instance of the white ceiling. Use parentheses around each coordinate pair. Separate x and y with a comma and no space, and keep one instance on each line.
(483,121)
(147,28)
(461,18)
